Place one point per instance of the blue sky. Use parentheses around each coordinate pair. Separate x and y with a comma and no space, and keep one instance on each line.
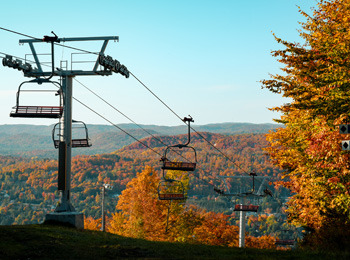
(203,58)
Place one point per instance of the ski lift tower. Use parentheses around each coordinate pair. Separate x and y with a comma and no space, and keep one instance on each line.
(243,194)
(101,66)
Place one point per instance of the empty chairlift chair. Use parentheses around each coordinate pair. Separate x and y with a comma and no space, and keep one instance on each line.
(171,190)
(179,165)
(285,242)
(253,204)
(80,136)
(251,208)
(38,111)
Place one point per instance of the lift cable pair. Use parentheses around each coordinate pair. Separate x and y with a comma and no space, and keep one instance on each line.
(219,191)
(123,114)
(155,137)
(113,124)
(65,46)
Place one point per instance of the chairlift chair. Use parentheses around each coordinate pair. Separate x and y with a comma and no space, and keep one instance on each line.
(38,111)
(170,189)
(179,165)
(251,206)
(80,137)
(285,242)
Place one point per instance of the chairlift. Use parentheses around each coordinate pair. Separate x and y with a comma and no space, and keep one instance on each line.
(286,227)
(170,189)
(80,137)
(179,165)
(38,111)
(251,206)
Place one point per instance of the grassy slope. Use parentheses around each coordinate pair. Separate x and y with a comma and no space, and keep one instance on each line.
(52,242)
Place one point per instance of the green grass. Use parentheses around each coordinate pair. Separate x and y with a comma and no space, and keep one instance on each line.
(53,242)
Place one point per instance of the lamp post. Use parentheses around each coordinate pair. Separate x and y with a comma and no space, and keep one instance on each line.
(104,187)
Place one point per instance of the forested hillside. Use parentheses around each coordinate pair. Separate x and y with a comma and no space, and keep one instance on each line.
(28,186)
(36,140)
(301,169)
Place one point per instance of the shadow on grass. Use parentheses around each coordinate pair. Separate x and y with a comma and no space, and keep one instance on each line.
(58,242)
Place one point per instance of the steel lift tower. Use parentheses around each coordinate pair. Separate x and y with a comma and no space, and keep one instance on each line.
(242,207)
(102,66)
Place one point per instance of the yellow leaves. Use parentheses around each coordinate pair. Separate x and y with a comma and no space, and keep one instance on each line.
(91,224)
(263,242)
(141,215)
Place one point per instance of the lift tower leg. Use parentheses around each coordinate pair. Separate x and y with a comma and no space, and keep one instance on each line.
(65,148)
(242,226)
(65,211)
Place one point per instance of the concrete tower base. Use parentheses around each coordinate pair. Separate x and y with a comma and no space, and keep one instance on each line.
(74,219)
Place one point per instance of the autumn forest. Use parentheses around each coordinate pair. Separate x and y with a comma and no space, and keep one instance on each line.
(301,173)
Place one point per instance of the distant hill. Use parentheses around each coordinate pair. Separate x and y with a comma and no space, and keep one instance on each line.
(36,141)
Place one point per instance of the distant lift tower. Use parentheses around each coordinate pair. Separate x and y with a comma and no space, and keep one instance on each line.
(242,194)
(102,66)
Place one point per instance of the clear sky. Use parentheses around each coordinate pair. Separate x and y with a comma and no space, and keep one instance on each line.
(202,58)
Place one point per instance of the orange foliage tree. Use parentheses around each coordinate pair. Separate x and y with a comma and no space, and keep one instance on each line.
(317,81)
(141,215)
(92,224)
(214,230)
(263,242)
(138,210)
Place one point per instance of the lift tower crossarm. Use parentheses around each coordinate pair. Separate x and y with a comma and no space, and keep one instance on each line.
(40,73)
